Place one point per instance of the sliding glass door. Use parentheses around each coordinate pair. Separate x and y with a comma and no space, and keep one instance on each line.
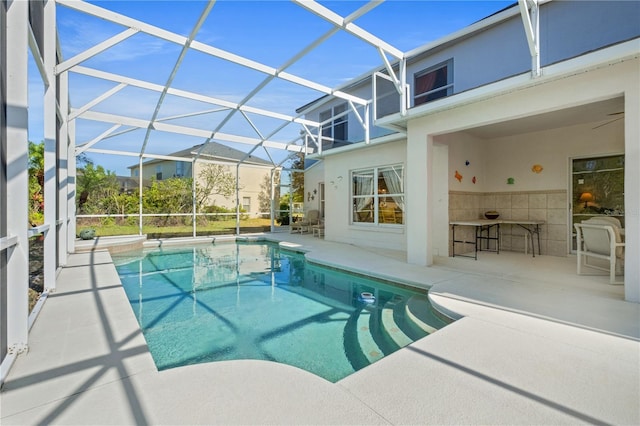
(597,188)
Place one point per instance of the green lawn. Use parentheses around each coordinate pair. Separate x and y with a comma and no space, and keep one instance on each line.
(211,228)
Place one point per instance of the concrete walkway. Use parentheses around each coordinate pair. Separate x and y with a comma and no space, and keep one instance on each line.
(535,345)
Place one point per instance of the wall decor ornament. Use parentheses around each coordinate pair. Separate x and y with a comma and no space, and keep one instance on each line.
(511,181)
(458,176)
(536,168)
(466,163)
(473,179)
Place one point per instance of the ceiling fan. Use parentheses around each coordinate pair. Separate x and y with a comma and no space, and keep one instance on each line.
(620,113)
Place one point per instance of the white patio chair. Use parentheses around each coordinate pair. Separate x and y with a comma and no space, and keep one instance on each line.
(312,217)
(600,240)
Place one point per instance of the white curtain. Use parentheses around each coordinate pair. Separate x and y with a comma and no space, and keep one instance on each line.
(362,185)
(393,180)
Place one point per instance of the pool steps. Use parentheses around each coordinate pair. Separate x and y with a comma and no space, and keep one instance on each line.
(398,330)
(391,327)
(368,346)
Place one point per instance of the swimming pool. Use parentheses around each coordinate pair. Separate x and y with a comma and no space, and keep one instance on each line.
(256,301)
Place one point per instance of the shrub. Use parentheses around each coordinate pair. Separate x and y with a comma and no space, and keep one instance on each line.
(107,221)
(87,234)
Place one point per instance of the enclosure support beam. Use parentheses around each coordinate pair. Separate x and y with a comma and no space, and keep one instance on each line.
(140,179)
(17,155)
(176,67)
(188,95)
(73,187)
(238,199)
(529,11)
(182,130)
(404,95)
(193,196)
(50,147)
(97,100)
(82,148)
(350,27)
(91,52)
(272,200)
(64,174)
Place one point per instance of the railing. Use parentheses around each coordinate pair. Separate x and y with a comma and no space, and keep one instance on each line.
(8,242)
(159,224)
(164,215)
(37,230)
(12,240)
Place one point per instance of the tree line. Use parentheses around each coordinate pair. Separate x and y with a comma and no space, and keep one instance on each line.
(100,192)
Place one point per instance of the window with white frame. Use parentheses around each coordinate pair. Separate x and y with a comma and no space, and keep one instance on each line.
(180,168)
(433,83)
(378,195)
(246,204)
(335,130)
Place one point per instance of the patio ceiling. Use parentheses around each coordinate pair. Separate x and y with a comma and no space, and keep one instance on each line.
(599,114)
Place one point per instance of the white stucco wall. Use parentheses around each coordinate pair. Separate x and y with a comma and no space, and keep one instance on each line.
(338,197)
(313,176)
(515,155)
(492,161)
(463,148)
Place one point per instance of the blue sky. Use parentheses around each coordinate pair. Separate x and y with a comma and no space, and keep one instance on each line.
(269,32)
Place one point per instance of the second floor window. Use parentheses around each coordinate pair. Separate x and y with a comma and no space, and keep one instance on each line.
(335,130)
(179,168)
(433,83)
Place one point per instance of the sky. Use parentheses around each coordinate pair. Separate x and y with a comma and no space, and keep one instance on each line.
(268,32)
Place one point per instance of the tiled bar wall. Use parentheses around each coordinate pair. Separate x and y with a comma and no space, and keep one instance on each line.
(549,206)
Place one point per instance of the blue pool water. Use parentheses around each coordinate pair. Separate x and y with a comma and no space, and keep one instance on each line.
(256,301)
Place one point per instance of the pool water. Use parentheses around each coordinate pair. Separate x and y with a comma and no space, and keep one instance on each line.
(255,301)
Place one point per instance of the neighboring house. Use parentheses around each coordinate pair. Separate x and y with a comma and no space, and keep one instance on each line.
(130,184)
(484,130)
(251,173)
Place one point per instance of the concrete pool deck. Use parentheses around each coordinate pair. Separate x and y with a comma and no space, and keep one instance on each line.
(536,344)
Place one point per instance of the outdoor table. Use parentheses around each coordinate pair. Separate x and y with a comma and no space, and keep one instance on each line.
(483,232)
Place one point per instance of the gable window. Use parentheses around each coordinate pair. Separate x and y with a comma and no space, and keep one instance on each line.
(159,172)
(433,83)
(335,130)
(378,195)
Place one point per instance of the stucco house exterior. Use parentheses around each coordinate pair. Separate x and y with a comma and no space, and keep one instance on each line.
(499,116)
(251,172)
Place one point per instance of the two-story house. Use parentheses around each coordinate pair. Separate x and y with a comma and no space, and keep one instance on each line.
(251,174)
(527,112)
